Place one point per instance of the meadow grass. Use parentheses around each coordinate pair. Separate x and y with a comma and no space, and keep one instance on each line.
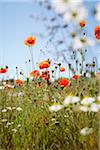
(28,124)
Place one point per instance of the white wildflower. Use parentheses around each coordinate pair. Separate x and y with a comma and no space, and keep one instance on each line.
(4,110)
(97,10)
(1,87)
(4,83)
(8,123)
(71,100)
(19,126)
(14,130)
(87,101)
(13,108)
(84,108)
(94,107)
(86,131)
(53,119)
(18,108)
(76,14)
(55,107)
(9,108)
(65,116)
(98,98)
(75,99)
(79,43)
(67,100)
(4,120)
(61,6)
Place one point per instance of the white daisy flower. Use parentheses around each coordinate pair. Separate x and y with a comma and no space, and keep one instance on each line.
(86,131)
(13,108)
(94,107)
(61,6)
(4,110)
(98,98)
(76,14)
(18,108)
(8,123)
(79,43)
(67,100)
(14,130)
(4,120)
(75,99)
(84,108)
(97,12)
(1,87)
(87,101)
(71,100)
(4,83)
(9,108)
(19,126)
(56,107)
(53,119)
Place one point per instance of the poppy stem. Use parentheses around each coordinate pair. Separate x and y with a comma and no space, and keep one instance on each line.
(31,53)
(59,72)
(26,69)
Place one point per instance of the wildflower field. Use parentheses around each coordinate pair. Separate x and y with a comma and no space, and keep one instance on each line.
(54,102)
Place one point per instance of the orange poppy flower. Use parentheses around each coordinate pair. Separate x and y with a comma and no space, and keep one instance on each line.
(97,32)
(44,64)
(19,82)
(82,23)
(62,69)
(75,77)
(35,74)
(30,41)
(63,82)
(3,70)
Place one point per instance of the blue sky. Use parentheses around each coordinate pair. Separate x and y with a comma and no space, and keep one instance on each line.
(16,25)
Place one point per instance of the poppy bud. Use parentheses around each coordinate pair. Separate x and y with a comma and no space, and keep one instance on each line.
(56,67)
(65,26)
(6,67)
(82,23)
(86,65)
(69,65)
(59,64)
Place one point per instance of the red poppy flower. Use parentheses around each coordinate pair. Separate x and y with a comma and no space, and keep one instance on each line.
(82,23)
(63,82)
(30,41)
(62,69)
(3,70)
(75,77)
(35,74)
(19,82)
(97,32)
(44,64)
